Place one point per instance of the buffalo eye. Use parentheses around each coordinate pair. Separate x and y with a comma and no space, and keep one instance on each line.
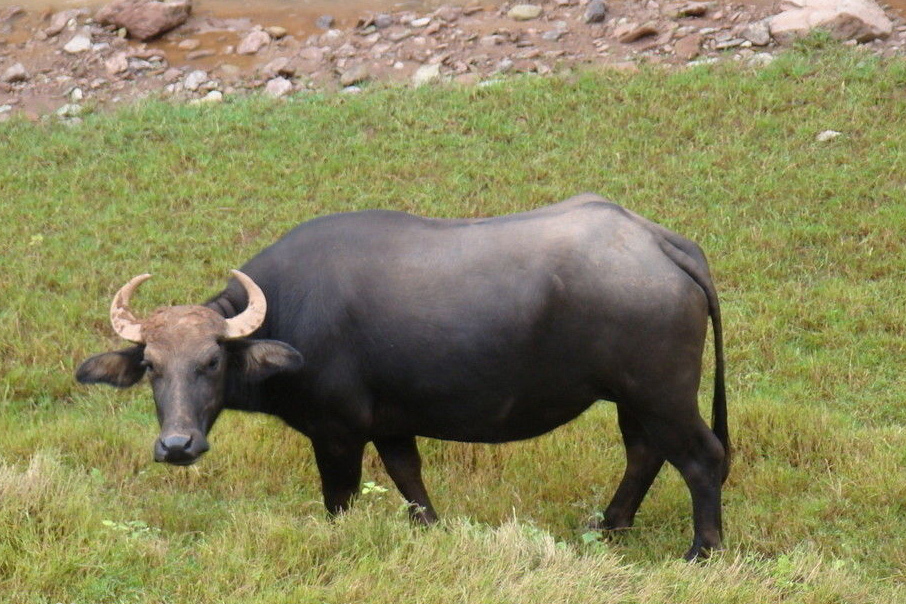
(210,366)
(148,365)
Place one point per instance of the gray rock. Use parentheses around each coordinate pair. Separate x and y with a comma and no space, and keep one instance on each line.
(524,12)
(355,74)
(281,66)
(116,64)
(758,33)
(859,20)
(827,135)
(81,42)
(491,40)
(504,65)
(383,20)
(70,110)
(595,12)
(276,32)
(278,87)
(631,32)
(325,22)
(201,53)
(688,47)
(422,22)
(448,13)
(59,21)
(253,42)
(172,74)
(425,74)
(195,79)
(726,44)
(761,59)
(692,9)
(400,35)
(145,19)
(15,73)
(11,13)
(212,97)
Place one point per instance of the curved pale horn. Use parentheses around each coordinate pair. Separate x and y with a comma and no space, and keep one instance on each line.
(252,317)
(124,322)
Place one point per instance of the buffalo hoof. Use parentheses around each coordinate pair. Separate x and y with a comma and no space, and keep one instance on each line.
(701,553)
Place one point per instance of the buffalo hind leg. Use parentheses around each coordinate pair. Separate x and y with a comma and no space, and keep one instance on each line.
(693,449)
(340,465)
(643,462)
(404,465)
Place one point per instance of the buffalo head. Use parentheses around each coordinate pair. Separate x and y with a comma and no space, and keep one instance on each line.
(191,355)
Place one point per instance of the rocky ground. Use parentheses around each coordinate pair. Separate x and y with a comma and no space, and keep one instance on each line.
(70,62)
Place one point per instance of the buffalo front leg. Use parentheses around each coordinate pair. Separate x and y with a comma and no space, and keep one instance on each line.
(404,465)
(643,462)
(340,465)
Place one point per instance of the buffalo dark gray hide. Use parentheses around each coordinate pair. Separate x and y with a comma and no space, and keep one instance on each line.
(381,326)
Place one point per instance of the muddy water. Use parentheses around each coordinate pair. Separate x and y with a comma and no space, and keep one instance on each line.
(219,24)
(297,16)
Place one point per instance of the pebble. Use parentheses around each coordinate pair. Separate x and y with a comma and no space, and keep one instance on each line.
(80,42)
(172,74)
(595,12)
(189,44)
(491,40)
(525,12)
(761,59)
(276,31)
(199,54)
(688,47)
(827,135)
(630,32)
(279,66)
(426,74)
(758,33)
(70,110)
(692,9)
(253,42)
(423,22)
(213,97)
(355,74)
(731,43)
(383,20)
(278,87)
(195,79)
(59,21)
(448,13)
(15,73)
(324,22)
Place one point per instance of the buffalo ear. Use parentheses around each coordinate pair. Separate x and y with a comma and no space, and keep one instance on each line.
(258,360)
(121,368)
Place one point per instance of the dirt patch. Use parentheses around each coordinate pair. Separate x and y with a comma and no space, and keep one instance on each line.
(85,66)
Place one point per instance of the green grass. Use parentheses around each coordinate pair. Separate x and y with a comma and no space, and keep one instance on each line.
(805,241)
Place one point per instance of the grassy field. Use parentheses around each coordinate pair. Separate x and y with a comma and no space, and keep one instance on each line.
(805,240)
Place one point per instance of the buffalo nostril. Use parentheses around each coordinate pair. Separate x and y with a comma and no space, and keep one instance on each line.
(176,443)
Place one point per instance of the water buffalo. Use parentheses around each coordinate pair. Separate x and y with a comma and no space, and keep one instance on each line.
(382,326)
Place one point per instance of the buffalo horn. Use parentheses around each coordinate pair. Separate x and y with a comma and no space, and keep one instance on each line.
(252,317)
(124,322)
